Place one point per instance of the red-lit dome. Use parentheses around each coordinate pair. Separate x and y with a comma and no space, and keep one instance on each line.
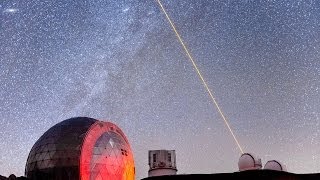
(81,149)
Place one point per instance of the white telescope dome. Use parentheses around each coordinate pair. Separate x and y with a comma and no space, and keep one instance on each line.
(275,165)
(248,161)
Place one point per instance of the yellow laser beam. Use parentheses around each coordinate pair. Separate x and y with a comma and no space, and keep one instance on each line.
(200,75)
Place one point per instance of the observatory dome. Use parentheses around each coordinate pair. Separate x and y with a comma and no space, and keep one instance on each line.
(275,165)
(81,148)
(249,161)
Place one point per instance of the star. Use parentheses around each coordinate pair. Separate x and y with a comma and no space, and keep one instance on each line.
(125,9)
(11,10)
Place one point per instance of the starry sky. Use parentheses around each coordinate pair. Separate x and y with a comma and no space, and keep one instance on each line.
(120,61)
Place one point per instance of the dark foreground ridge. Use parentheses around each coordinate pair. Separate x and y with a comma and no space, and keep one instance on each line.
(253,174)
(12,177)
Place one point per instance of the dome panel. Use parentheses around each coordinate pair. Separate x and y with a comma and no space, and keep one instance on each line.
(101,152)
(57,149)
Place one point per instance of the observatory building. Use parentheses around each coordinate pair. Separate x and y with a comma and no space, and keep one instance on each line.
(162,162)
(275,165)
(248,161)
(81,149)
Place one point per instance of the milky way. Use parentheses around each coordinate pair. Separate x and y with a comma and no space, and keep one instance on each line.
(120,61)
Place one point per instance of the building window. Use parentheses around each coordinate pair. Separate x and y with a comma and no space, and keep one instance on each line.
(169,157)
(154,158)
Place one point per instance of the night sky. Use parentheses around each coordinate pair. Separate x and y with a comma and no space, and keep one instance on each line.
(120,61)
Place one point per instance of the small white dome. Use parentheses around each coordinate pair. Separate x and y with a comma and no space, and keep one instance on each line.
(275,165)
(249,162)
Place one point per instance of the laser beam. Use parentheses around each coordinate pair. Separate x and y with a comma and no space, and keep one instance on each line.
(200,75)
